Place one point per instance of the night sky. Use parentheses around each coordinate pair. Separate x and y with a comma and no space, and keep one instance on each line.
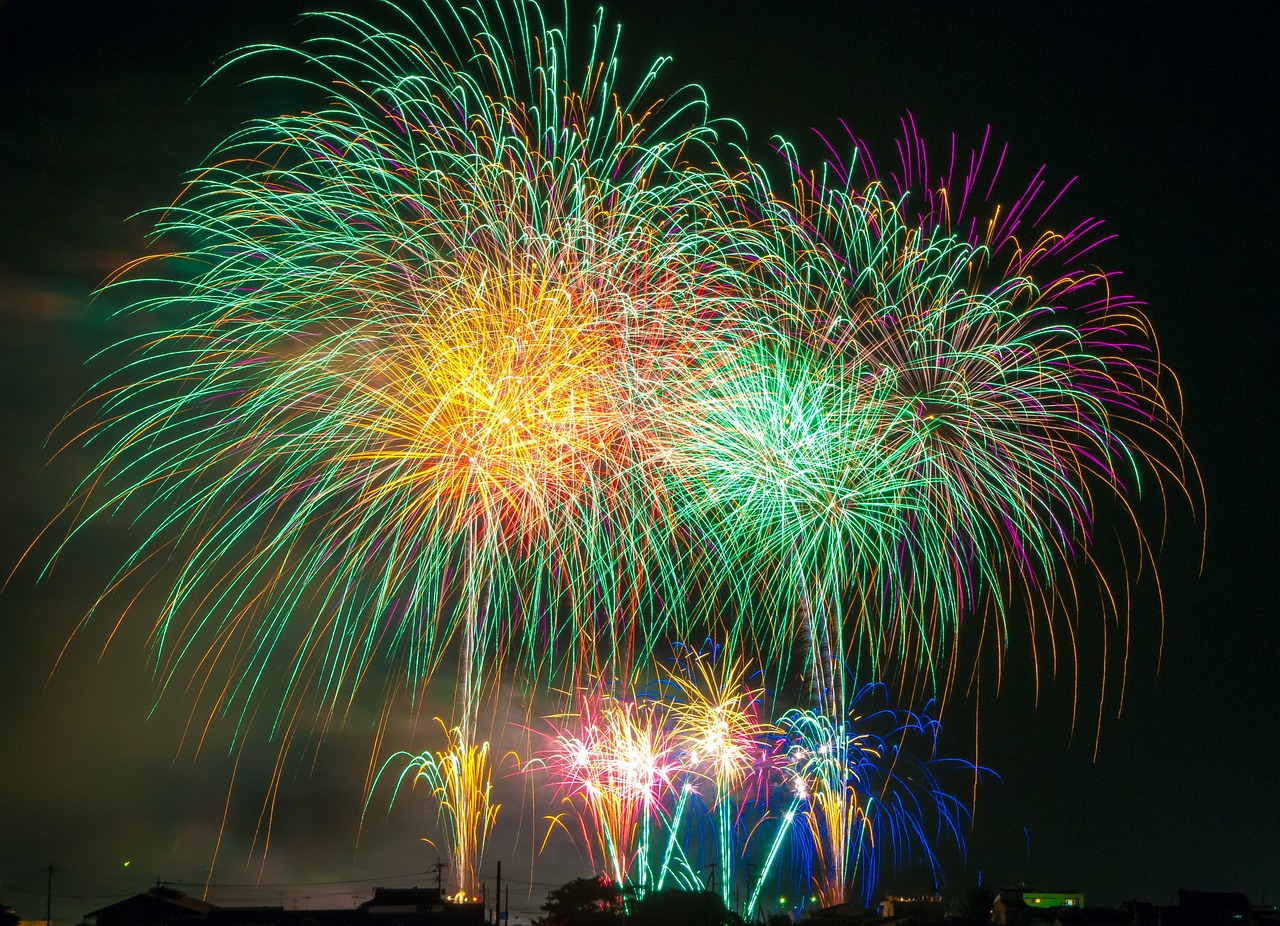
(1166,118)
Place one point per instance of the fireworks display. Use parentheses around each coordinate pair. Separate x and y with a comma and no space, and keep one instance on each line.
(682,782)
(867,790)
(407,363)
(493,354)
(689,750)
(460,780)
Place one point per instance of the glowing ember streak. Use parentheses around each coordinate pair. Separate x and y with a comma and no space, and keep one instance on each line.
(399,383)
(460,779)
(487,350)
(868,792)
(614,763)
(717,722)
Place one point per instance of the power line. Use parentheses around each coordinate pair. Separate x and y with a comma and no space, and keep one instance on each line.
(259,885)
(276,884)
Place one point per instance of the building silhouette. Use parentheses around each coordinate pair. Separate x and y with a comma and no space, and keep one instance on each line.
(394,906)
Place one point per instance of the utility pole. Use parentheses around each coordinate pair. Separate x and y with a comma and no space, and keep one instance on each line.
(497,894)
(714,884)
(439,869)
(48,899)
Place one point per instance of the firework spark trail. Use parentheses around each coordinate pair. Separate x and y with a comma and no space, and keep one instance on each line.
(613,763)
(852,794)
(666,867)
(990,399)
(624,762)
(868,792)
(1097,408)
(913,433)
(461,781)
(787,471)
(488,351)
(441,334)
(398,393)
(781,832)
(715,715)
(400,381)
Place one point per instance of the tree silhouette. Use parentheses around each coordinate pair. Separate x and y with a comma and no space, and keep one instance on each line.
(663,908)
(582,902)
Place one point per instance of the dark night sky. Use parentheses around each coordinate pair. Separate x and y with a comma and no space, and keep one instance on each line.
(1166,117)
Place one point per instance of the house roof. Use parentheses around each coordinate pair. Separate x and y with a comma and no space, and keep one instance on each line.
(159,899)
